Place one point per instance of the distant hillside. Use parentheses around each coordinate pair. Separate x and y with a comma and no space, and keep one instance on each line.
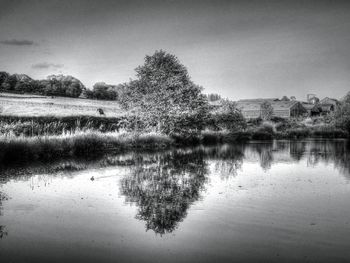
(33,105)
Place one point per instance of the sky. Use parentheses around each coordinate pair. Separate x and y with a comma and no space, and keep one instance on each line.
(239,49)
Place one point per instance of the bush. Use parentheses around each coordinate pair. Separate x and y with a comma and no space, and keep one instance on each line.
(262,135)
(266,127)
(102,91)
(254,122)
(212,137)
(276,119)
(231,121)
(263,132)
(226,117)
(186,124)
(239,136)
(342,116)
(330,132)
(297,133)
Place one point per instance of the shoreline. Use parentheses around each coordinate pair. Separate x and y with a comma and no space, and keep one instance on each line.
(90,144)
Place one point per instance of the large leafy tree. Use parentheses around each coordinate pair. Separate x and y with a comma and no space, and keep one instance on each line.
(163,88)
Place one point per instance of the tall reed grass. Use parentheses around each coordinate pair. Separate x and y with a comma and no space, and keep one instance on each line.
(80,144)
(52,125)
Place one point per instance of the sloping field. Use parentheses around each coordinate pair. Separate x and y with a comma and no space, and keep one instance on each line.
(33,105)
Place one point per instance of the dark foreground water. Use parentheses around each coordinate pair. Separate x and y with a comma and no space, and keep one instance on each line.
(264,202)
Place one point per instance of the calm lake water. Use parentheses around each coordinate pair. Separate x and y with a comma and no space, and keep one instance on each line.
(263,201)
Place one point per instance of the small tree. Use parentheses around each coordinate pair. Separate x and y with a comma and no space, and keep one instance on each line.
(227,117)
(342,114)
(103,91)
(266,111)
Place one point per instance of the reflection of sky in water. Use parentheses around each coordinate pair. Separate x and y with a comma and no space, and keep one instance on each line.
(259,201)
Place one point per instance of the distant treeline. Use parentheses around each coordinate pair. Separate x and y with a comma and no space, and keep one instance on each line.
(56,85)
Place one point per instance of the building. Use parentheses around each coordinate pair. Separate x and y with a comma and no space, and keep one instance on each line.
(326,108)
(328,104)
(311,109)
(251,109)
(316,107)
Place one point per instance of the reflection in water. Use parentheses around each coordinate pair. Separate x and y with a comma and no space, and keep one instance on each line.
(228,159)
(336,152)
(294,193)
(264,150)
(297,149)
(164,186)
(3,231)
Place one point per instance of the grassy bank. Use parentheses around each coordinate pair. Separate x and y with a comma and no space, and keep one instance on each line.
(57,125)
(81,144)
(91,144)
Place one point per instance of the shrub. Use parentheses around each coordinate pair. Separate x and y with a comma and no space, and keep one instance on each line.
(186,124)
(342,115)
(231,121)
(254,122)
(329,132)
(102,91)
(226,117)
(297,133)
(262,135)
(212,137)
(266,127)
(263,132)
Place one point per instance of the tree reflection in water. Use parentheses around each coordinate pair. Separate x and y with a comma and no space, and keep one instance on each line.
(314,152)
(228,159)
(164,186)
(336,152)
